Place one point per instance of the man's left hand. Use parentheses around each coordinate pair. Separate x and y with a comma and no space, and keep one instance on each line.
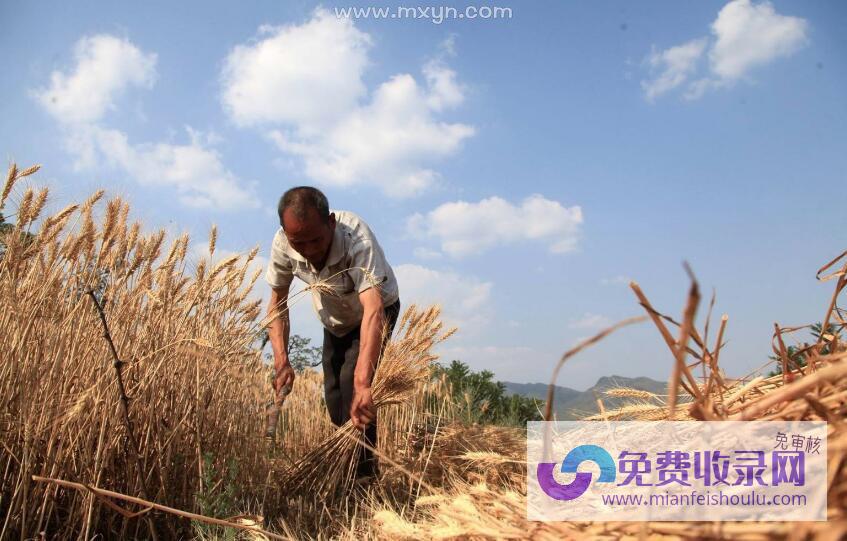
(362,410)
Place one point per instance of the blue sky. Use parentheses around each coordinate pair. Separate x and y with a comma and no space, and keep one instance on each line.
(519,171)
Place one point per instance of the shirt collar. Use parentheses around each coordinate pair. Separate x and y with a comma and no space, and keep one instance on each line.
(337,249)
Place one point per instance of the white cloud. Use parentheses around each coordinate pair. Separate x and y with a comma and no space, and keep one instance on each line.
(744,37)
(194,170)
(509,363)
(749,35)
(308,75)
(445,91)
(675,65)
(590,321)
(425,253)
(385,143)
(696,89)
(320,111)
(465,300)
(203,138)
(448,45)
(78,99)
(105,66)
(470,228)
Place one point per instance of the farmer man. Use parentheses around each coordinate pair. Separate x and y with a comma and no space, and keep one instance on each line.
(357,300)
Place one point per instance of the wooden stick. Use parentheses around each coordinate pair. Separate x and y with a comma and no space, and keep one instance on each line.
(730,400)
(551,389)
(838,273)
(663,330)
(718,346)
(682,344)
(706,355)
(136,450)
(787,362)
(840,284)
(185,514)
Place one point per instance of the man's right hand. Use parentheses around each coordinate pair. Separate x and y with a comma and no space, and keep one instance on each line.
(283,377)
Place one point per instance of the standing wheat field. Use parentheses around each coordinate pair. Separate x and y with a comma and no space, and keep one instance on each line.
(133,393)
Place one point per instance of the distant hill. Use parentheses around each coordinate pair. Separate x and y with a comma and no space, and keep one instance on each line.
(572,404)
(539,390)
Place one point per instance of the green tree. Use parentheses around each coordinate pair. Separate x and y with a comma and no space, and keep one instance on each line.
(6,229)
(301,354)
(4,225)
(798,355)
(478,398)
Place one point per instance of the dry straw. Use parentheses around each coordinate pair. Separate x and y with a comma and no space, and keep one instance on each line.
(193,376)
(187,330)
(404,366)
(816,392)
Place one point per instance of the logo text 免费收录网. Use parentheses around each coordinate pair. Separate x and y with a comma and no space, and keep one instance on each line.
(667,470)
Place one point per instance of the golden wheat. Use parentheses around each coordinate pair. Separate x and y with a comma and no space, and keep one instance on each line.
(187,332)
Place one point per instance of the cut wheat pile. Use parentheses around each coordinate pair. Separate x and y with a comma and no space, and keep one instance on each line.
(471,507)
(133,390)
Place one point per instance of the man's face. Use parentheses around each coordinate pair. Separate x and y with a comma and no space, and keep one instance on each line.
(310,237)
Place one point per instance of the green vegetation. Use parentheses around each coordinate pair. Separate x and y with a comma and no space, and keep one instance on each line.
(7,228)
(301,354)
(217,498)
(797,355)
(479,399)
(4,225)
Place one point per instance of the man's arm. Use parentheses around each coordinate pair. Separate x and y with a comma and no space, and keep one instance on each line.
(362,410)
(278,332)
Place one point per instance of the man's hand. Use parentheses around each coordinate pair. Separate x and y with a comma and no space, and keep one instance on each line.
(278,330)
(362,409)
(284,376)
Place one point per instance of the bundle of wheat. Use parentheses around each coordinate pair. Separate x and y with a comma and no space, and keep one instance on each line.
(327,470)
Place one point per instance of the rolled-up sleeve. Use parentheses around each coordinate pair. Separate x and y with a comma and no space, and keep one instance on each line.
(280,273)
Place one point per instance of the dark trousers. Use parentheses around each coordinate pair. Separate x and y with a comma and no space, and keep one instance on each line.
(340,354)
